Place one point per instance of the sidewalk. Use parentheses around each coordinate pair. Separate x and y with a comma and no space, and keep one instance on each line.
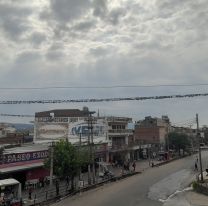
(197,199)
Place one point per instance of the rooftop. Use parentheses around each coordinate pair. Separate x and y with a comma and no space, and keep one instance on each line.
(64,113)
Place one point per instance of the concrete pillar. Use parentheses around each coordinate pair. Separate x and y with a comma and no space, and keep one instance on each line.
(107,156)
(126,140)
(127,156)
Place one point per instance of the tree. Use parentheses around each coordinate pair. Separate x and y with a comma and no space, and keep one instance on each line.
(67,160)
(178,141)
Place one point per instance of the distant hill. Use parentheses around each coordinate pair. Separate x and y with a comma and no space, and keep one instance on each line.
(20,127)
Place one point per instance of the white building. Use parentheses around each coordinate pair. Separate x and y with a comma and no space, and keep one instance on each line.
(71,124)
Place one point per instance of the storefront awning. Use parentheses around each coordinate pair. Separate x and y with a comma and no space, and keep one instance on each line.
(8,182)
(26,166)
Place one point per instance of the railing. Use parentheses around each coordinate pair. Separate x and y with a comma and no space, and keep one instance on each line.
(47,194)
(119,147)
(121,131)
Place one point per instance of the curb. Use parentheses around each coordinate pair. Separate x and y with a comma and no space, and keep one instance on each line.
(168,161)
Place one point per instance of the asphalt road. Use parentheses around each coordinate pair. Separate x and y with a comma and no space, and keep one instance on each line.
(144,189)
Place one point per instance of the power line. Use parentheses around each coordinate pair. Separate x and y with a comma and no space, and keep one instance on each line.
(102,99)
(16,115)
(102,87)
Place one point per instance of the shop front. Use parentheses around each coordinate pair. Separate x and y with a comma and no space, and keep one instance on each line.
(10,191)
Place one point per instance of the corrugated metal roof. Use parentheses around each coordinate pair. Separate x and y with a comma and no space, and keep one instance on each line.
(7,182)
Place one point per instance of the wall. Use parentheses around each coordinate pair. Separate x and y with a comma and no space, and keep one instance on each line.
(147,135)
(37,173)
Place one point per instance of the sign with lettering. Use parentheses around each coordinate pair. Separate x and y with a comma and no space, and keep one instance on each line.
(27,156)
(81,127)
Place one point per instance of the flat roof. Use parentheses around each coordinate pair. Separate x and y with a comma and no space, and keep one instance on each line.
(63,113)
(7,182)
(27,148)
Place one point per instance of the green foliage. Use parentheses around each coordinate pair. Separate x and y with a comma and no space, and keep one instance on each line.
(178,141)
(67,159)
(194,185)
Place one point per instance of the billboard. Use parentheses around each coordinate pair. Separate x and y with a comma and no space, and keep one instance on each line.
(26,156)
(82,128)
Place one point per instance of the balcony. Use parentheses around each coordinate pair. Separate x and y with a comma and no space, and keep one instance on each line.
(118,147)
(120,131)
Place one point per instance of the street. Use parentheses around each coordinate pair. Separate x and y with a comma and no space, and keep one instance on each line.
(155,186)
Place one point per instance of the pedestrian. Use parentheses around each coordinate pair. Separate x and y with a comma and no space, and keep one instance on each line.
(57,188)
(134,166)
(128,165)
(30,193)
(196,166)
(67,180)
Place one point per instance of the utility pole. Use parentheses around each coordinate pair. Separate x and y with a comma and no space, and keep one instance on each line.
(199,141)
(92,148)
(80,145)
(149,154)
(89,147)
(51,163)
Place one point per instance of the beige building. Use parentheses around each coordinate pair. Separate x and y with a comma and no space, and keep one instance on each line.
(152,130)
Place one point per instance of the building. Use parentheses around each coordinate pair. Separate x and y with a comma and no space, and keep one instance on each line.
(9,135)
(204,129)
(152,130)
(56,124)
(118,135)
(6,130)
(74,125)
(151,136)
(25,163)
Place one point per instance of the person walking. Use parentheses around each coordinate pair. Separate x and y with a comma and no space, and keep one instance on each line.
(196,166)
(57,188)
(30,193)
(134,166)
(67,181)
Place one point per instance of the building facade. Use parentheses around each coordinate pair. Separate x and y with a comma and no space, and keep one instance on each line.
(58,124)
(118,136)
(152,131)
(6,130)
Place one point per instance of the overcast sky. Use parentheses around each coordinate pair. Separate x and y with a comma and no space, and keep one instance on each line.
(104,43)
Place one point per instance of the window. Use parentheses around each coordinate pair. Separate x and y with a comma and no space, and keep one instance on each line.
(113,126)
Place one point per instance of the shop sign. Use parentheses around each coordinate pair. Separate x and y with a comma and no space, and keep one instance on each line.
(28,156)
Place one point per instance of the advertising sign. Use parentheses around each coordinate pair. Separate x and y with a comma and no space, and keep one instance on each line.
(27,156)
(81,127)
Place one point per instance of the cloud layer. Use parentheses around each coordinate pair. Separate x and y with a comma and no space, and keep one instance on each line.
(102,42)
